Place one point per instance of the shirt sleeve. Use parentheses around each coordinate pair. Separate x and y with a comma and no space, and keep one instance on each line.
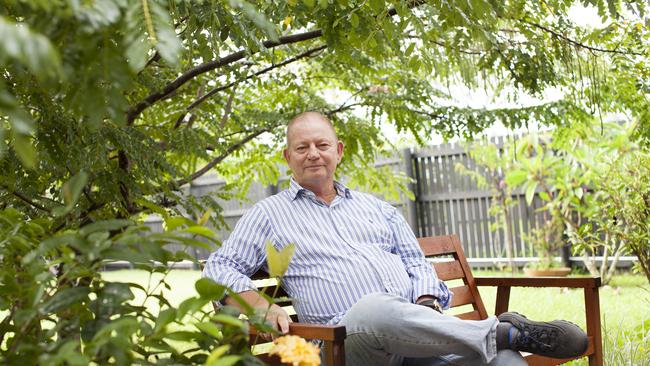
(242,254)
(423,276)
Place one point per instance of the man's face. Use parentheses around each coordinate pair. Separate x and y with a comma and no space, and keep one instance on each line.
(313,152)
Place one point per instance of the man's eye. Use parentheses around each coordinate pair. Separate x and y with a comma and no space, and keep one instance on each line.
(301,148)
(324,146)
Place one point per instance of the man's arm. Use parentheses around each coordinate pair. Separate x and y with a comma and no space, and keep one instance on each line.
(426,285)
(241,255)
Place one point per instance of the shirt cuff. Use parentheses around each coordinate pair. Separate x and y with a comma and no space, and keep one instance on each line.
(435,288)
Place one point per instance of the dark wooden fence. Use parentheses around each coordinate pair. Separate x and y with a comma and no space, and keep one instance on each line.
(450,202)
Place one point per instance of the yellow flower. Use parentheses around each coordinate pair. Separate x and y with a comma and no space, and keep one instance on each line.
(296,351)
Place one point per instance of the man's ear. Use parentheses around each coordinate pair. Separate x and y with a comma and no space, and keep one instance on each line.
(285,153)
(339,150)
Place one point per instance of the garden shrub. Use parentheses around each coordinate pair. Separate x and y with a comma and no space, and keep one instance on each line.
(58,310)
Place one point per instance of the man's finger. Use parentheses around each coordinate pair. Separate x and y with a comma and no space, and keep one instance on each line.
(283,322)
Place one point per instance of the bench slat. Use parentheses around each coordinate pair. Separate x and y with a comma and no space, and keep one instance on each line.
(462,296)
(436,245)
(449,270)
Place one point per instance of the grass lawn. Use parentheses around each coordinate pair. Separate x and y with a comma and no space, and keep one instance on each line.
(625,307)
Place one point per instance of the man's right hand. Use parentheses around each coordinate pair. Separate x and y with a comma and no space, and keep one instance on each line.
(275,315)
(278,318)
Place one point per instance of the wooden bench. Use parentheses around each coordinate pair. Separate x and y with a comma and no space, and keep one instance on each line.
(451,264)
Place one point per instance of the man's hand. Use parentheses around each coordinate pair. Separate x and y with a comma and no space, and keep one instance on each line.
(278,319)
(275,315)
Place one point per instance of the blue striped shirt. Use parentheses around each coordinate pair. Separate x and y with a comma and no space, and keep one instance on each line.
(355,246)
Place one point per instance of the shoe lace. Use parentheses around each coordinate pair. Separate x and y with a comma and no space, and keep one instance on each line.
(536,337)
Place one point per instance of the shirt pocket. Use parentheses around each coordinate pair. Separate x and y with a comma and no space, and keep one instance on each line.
(374,231)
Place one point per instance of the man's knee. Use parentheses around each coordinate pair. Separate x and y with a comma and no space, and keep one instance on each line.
(374,310)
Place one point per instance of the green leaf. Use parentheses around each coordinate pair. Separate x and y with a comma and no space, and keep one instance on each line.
(73,187)
(354,20)
(409,50)
(168,44)
(261,22)
(118,291)
(164,318)
(578,192)
(191,305)
(530,192)
(209,289)
(98,14)
(64,298)
(377,5)
(205,217)
(183,336)
(544,196)
(514,178)
(278,261)
(137,53)
(229,320)
(106,225)
(200,230)
(25,151)
(216,354)
(209,328)
(174,222)
(29,48)
(226,360)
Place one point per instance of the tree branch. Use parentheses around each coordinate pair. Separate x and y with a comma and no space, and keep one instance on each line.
(217,159)
(442,44)
(344,106)
(135,111)
(341,108)
(226,110)
(200,100)
(578,44)
(26,199)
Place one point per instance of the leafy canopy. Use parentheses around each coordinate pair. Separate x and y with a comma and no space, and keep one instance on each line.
(108,107)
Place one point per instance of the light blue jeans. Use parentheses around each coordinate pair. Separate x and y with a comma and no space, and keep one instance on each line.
(384,329)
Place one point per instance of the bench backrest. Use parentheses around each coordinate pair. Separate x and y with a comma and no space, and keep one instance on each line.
(451,264)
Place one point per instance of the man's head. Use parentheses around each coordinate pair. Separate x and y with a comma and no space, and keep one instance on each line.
(313,151)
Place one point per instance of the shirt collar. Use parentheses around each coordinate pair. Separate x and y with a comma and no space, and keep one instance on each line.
(296,190)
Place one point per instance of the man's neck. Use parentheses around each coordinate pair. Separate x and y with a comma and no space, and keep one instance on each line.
(325,193)
(327,197)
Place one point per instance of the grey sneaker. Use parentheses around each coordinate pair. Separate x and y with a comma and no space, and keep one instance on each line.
(557,339)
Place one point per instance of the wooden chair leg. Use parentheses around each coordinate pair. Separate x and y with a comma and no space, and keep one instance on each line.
(503,298)
(334,353)
(592,304)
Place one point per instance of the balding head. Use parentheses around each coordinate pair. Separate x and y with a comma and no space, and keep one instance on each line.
(309,118)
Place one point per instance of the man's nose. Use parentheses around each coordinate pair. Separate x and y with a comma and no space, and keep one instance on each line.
(312,153)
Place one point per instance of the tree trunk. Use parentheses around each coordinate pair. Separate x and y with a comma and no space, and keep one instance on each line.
(507,227)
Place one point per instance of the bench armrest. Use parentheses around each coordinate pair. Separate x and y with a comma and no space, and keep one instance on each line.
(571,282)
(589,286)
(333,337)
(332,333)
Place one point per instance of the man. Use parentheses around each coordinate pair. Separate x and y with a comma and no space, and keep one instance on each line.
(357,263)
